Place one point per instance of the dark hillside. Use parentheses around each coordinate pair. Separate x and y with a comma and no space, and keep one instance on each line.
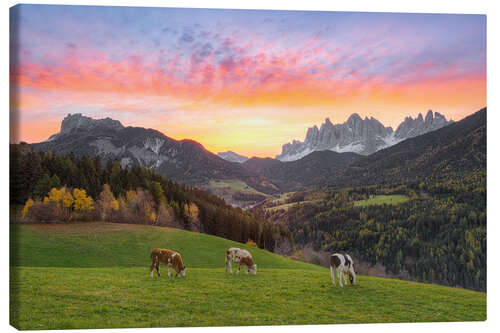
(451,150)
(311,170)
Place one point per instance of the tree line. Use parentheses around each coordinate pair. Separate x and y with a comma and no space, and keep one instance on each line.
(46,187)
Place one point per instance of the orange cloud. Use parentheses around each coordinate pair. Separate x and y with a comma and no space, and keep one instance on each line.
(292,90)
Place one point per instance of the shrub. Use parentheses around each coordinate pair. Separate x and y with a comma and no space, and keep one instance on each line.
(251,243)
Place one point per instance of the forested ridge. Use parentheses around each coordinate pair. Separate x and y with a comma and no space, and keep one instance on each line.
(442,154)
(42,181)
(438,235)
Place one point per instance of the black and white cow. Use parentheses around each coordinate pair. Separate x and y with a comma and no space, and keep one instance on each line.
(342,265)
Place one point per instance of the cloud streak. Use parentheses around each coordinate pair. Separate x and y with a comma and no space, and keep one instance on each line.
(309,62)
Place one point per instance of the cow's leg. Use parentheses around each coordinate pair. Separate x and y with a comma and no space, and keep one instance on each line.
(168,270)
(345,278)
(158,267)
(239,266)
(230,267)
(340,277)
(332,273)
(151,268)
(246,269)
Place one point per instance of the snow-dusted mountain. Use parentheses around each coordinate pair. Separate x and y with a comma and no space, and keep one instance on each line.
(410,127)
(357,135)
(184,161)
(232,157)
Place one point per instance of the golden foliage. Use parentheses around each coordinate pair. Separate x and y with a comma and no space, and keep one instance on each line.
(82,201)
(67,200)
(27,206)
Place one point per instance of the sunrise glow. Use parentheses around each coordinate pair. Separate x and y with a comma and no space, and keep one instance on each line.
(241,80)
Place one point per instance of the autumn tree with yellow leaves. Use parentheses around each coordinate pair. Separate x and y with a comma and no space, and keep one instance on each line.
(107,203)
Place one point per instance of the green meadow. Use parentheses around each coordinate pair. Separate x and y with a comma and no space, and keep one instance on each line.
(382,199)
(96,275)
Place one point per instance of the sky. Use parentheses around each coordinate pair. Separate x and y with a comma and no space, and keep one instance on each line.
(242,80)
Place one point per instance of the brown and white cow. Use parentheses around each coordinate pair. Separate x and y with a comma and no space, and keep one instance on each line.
(342,265)
(167,257)
(242,257)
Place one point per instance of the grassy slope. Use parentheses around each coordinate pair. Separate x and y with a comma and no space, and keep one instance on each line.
(382,199)
(96,275)
(232,186)
(227,188)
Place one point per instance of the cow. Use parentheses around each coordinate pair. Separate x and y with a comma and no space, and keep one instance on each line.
(167,257)
(242,257)
(342,265)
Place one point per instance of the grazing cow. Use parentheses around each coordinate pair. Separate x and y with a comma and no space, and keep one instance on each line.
(342,265)
(242,257)
(167,257)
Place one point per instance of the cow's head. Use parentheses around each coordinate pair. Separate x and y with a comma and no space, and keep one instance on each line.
(352,275)
(253,269)
(181,269)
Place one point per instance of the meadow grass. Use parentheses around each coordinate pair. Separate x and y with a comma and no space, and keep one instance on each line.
(234,185)
(382,199)
(96,275)
(288,205)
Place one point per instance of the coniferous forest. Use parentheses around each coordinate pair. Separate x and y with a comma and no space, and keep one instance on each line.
(438,236)
(45,187)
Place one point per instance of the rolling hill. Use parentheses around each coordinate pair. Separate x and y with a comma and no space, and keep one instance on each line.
(96,275)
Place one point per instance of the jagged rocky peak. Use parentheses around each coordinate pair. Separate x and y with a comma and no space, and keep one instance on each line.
(232,157)
(429,116)
(79,121)
(410,127)
(354,118)
(354,135)
(358,135)
(312,132)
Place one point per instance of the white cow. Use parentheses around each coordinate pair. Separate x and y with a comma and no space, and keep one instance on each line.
(342,265)
(242,257)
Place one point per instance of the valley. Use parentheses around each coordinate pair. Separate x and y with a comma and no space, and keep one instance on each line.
(414,207)
(235,192)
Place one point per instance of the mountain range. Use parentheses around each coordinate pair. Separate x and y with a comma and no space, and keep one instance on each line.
(361,136)
(184,161)
(442,154)
(188,162)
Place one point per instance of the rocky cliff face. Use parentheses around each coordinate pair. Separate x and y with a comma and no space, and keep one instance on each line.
(183,161)
(357,135)
(79,122)
(410,127)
